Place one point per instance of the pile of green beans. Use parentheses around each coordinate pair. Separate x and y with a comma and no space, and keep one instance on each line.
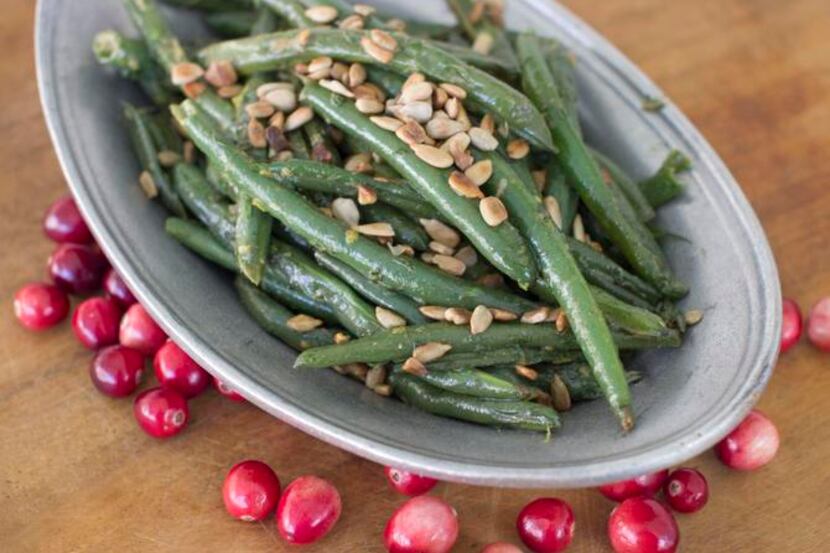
(424,216)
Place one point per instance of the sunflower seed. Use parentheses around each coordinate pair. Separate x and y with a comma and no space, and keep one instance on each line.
(194,89)
(185,73)
(168,158)
(227,92)
(283,99)
(398,250)
(440,232)
(488,123)
(430,351)
(476,12)
(539,178)
(561,321)
(432,156)
(555,212)
(384,390)
(518,148)
(189,152)
(363,9)
(449,264)
(560,394)
(467,255)
(480,320)
(452,107)
(457,144)
(277,120)
(221,73)
(357,371)
(693,316)
(379,54)
(322,62)
(428,257)
(303,323)
(368,90)
(443,127)
(503,315)
(298,118)
(419,111)
(412,79)
(256,134)
(383,39)
(438,247)
(435,312)
(375,377)
(263,89)
(439,98)
(527,372)
(482,139)
(368,106)
(493,211)
(416,92)
(480,172)
(351,23)
(359,163)
(366,195)
(388,318)
(492,280)
(259,109)
(386,123)
(414,367)
(579,229)
(340,72)
(462,117)
(346,210)
(396,24)
(337,87)
(341,338)
(302,38)
(483,43)
(382,230)
(454,90)
(536,316)
(321,14)
(458,315)
(357,74)
(411,133)
(462,185)
(148,185)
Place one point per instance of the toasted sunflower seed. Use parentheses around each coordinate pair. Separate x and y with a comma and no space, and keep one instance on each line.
(341,338)
(476,12)
(322,62)
(194,89)
(186,73)
(357,74)
(375,377)
(488,123)
(439,98)
(467,255)
(416,92)
(457,144)
(384,390)
(277,120)
(337,87)
(148,185)
(401,249)
(353,22)
(366,195)
(369,90)
(431,351)
(452,107)
(298,118)
(560,394)
(553,209)
(388,318)
(440,232)
(693,316)
(263,89)
(386,123)
(518,148)
(368,105)
(491,280)
(432,156)
(435,312)
(438,247)
(283,99)
(462,185)
(579,229)
(414,367)
(441,128)
(419,111)
(357,371)
(382,230)
(480,320)
(536,316)
(482,139)
(221,73)
(168,158)
(527,372)
(483,43)
(303,323)
(256,134)
(302,37)
(454,90)
(411,133)
(503,315)
(346,210)
(383,39)
(259,109)
(561,321)
(227,92)
(364,9)
(480,172)
(449,264)
(321,14)
(458,315)
(492,211)
(359,163)
(378,53)
(539,178)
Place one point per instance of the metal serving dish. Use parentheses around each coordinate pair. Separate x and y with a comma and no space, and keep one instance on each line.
(691,397)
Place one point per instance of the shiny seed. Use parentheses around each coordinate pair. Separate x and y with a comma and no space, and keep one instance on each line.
(440,232)
(452,107)
(419,111)
(346,210)
(322,62)
(148,185)
(321,14)
(185,73)
(375,377)
(414,367)
(283,99)
(357,74)
(480,172)
(561,321)
(432,156)
(458,316)
(259,109)
(364,9)
(693,316)
(383,230)
(454,90)
(483,140)
(438,247)
(467,255)
(449,264)
(493,211)
(488,123)
(383,39)
(431,351)
(194,90)
(256,134)
(553,209)
(388,318)
(351,23)
(442,128)
(462,185)
(518,148)
(416,92)
(378,53)
(579,229)
(368,105)
(221,73)
(366,195)
(480,320)
(337,87)
(439,98)
(527,372)
(536,316)
(359,163)
(483,43)
(168,158)
(386,123)
(298,118)
(411,133)
(435,312)
(303,323)
(263,89)
(398,250)
(503,315)
(227,92)
(560,394)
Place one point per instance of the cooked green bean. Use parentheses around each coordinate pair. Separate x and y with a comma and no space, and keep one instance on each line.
(502,414)
(131,59)
(629,318)
(626,185)
(211,5)
(577,378)
(397,344)
(508,354)
(664,186)
(322,148)
(484,27)
(253,238)
(407,231)
(471,382)
(485,93)
(561,66)
(273,317)
(419,281)
(231,24)
(290,10)
(583,172)
(204,202)
(501,245)
(556,186)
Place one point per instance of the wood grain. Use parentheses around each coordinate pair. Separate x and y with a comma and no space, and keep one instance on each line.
(77,475)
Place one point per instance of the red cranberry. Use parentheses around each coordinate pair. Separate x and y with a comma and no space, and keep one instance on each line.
(116,288)
(64,223)
(642,525)
(790,325)
(501,547)
(251,491)
(546,525)
(76,268)
(818,324)
(40,306)
(176,370)
(308,510)
(424,524)
(226,390)
(751,445)
(116,371)
(95,322)
(161,413)
(409,483)
(686,490)
(139,331)
(645,485)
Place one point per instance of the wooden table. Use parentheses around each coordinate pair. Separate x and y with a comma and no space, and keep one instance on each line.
(77,475)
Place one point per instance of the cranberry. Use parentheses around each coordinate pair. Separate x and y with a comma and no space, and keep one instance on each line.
(751,445)
(116,288)
(308,510)
(251,491)
(424,524)
(686,490)
(161,413)
(409,483)
(791,325)
(95,322)
(116,371)
(40,306)
(76,268)
(501,547)
(642,525)
(176,370)
(226,390)
(546,525)
(139,331)
(645,485)
(818,324)
(64,223)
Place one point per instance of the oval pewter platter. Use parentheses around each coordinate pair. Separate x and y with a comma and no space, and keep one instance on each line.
(690,398)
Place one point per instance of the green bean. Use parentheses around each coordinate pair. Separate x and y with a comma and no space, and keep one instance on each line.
(485,25)
(273,317)
(506,355)
(501,245)
(407,231)
(204,202)
(210,5)
(606,282)
(501,414)
(391,83)
(290,10)
(664,186)
(632,319)
(138,125)
(130,59)
(167,51)
(485,93)
(474,383)
(423,283)
(322,148)
(253,238)
(198,239)
(164,134)
(266,21)
(626,185)
(231,24)
(560,276)
(557,186)
(373,292)
(561,66)
(577,378)
(397,344)
(583,172)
